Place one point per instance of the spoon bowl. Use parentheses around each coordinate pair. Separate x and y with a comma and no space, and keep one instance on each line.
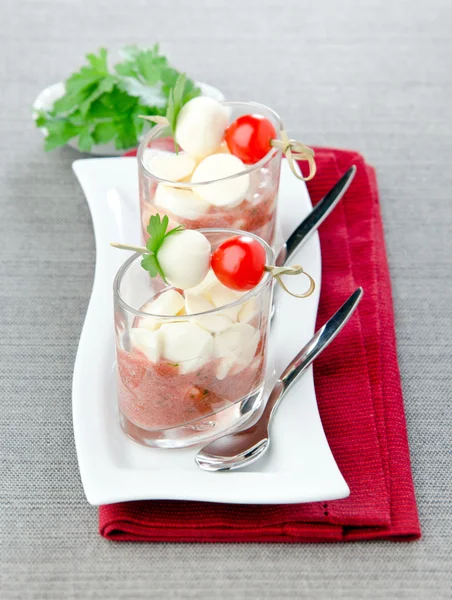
(252,450)
(241,448)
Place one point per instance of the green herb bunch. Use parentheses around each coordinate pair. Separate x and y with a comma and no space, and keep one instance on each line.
(102,105)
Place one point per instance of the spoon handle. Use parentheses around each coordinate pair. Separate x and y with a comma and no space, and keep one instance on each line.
(321,339)
(316,217)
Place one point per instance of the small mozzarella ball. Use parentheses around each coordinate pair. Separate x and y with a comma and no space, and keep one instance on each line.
(222,296)
(193,364)
(236,347)
(187,344)
(147,342)
(203,289)
(172,167)
(248,311)
(224,366)
(150,153)
(215,323)
(201,125)
(232,341)
(167,304)
(247,353)
(197,304)
(183,203)
(230,192)
(185,258)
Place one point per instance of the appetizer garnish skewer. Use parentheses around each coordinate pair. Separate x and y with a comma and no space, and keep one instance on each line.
(183,258)
(200,125)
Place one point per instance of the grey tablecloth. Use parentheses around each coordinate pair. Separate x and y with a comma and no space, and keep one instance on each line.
(375,76)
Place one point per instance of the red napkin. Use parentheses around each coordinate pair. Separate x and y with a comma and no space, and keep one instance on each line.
(360,400)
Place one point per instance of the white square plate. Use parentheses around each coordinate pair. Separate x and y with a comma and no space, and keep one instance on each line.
(299,466)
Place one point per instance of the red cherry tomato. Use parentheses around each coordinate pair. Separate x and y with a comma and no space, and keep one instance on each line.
(239,262)
(248,137)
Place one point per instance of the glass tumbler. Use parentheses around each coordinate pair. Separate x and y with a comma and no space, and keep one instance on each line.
(256,213)
(187,378)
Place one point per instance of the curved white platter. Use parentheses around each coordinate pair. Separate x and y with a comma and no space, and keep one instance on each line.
(299,466)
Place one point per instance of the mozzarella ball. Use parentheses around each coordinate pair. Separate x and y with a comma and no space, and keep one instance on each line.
(236,346)
(222,296)
(147,342)
(230,192)
(168,304)
(203,289)
(213,323)
(170,166)
(187,344)
(185,258)
(201,125)
(182,203)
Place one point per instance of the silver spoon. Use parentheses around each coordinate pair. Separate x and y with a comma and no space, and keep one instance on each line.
(316,217)
(235,450)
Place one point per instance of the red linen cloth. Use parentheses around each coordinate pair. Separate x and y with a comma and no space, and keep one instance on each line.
(359,395)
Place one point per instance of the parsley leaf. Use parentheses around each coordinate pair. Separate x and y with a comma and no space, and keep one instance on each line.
(89,74)
(126,134)
(175,103)
(72,100)
(105,85)
(104,132)
(157,228)
(60,131)
(144,65)
(150,263)
(101,106)
(169,79)
(85,140)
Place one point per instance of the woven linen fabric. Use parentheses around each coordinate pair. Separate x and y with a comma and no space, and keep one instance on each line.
(359,396)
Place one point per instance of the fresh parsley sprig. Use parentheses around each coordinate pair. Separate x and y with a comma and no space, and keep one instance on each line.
(158,233)
(175,103)
(102,105)
(179,95)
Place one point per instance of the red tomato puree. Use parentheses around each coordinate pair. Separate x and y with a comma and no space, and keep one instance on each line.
(157,396)
(254,214)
